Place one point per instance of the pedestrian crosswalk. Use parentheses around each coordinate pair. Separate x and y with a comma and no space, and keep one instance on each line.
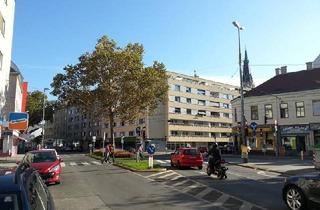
(211,197)
(80,163)
(168,162)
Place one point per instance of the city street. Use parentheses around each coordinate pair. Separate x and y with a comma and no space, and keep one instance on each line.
(86,184)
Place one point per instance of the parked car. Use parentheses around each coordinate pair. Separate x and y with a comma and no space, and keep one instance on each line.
(186,157)
(47,162)
(23,189)
(302,192)
(203,149)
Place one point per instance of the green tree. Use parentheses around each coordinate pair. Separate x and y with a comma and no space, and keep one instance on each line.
(112,82)
(35,107)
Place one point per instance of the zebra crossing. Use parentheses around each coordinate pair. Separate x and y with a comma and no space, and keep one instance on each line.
(80,163)
(168,162)
(210,196)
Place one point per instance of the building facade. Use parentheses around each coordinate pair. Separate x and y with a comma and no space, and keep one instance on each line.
(7,8)
(286,110)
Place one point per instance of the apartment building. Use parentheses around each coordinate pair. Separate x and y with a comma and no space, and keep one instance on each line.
(7,8)
(286,109)
(198,111)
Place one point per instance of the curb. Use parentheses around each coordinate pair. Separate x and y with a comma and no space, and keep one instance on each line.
(258,168)
(133,170)
(138,170)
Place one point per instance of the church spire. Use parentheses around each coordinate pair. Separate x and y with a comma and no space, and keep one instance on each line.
(246,77)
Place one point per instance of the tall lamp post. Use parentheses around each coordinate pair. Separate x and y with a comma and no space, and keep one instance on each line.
(43,115)
(240,28)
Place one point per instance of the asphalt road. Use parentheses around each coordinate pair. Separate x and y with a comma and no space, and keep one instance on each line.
(86,184)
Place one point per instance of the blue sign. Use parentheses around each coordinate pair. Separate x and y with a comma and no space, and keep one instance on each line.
(253,125)
(18,120)
(151,149)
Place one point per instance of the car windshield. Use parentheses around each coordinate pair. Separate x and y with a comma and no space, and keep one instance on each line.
(44,157)
(191,152)
(9,202)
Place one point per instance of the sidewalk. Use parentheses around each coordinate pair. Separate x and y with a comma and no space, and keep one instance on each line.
(284,165)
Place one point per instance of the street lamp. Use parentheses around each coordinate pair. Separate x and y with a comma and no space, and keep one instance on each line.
(239,28)
(43,114)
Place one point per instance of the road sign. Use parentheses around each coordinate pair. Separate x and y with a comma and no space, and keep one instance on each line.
(151,149)
(253,125)
(94,138)
(18,120)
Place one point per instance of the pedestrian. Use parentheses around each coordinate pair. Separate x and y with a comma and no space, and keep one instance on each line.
(106,157)
(111,150)
(140,150)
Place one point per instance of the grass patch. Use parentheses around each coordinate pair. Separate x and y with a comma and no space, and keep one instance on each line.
(131,163)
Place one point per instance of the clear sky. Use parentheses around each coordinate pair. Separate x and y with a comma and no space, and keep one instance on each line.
(183,34)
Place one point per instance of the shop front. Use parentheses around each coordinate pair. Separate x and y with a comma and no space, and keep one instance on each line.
(295,138)
(315,130)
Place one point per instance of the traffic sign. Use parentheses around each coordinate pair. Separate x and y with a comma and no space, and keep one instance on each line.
(18,120)
(151,149)
(253,125)
(94,138)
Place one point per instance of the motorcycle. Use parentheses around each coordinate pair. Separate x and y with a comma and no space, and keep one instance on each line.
(220,170)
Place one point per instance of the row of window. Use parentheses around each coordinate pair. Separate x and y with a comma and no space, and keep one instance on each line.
(178,110)
(199,134)
(199,123)
(201,102)
(106,125)
(203,92)
(284,110)
(97,133)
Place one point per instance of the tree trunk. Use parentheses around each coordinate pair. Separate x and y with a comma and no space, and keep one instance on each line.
(111,119)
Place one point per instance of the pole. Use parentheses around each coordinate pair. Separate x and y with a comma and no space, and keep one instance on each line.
(43,114)
(103,143)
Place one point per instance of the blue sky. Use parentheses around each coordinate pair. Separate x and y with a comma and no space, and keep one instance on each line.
(183,34)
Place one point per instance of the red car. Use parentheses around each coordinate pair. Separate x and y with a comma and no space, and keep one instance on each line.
(186,157)
(47,163)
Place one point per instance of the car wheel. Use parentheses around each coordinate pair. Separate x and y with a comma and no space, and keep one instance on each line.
(200,167)
(294,198)
(171,164)
(179,166)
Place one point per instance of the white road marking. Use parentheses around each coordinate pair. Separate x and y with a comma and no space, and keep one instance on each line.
(201,172)
(73,164)
(190,187)
(176,177)
(85,163)
(62,164)
(180,183)
(96,162)
(156,174)
(203,192)
(246,206)
(166,175)
(221,200)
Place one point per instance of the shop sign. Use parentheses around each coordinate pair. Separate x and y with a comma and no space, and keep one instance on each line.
(295,129)
(314,126)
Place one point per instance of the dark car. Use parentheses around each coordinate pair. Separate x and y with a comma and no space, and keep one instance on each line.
(23,189)
(302,192)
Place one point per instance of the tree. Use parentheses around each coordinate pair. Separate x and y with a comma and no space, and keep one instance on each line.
(35,107)
(112,82)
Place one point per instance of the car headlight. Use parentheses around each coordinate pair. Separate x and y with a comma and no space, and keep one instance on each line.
(54,169)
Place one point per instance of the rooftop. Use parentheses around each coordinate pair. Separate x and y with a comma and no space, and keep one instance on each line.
(289,82)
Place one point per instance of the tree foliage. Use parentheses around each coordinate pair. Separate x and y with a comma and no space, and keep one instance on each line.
(112,82)
(35,107)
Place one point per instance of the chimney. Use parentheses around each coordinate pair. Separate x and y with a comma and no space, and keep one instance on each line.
(283,69)
(277,71)
(309,65)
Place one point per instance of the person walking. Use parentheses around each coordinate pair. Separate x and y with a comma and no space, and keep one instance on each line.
(106,157)
(111,150)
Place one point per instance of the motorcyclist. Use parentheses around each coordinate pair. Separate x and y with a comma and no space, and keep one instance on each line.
(214,157)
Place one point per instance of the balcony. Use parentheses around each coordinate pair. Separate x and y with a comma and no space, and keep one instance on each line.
(204,128)
(197,139)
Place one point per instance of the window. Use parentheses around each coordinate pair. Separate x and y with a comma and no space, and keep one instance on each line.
(131,133)
(214,94)
(188,89)
(174,133)
(214,104)
(2,25)
(268,111)
(177,98)
(316,107)
(189,100)
(188,111)
(235,115)
(202,112)
(254,113)
(215,114)
(300,109)
(122,133)
(284,112)
(177,87)
(122,123)
(177,110)
(198,133)
(1,58)
(201,92)
(141,121)
(106,125)
(226,106)
(202,102)
(226,115)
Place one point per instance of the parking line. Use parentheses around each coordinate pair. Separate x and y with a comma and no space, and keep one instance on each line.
(85,163)
(203,192)
(73,164)
(166,175)
(180,183)
(95,162)
(156,174)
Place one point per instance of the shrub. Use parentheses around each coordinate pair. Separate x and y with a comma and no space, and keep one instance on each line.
(123,154)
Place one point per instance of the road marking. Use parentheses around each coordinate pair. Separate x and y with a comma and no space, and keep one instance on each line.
(190,187)
(201,172)
(180,183)
(245,206)
(63,164)
(85,163)
(96,162)
(166,175)
(73,164)
(203,192)
(176,177)
(156,174)
(221,200)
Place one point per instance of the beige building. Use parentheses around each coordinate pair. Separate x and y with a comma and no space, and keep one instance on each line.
(197,112)
(286,109)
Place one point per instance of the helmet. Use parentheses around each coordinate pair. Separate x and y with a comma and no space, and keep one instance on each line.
(215,145)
